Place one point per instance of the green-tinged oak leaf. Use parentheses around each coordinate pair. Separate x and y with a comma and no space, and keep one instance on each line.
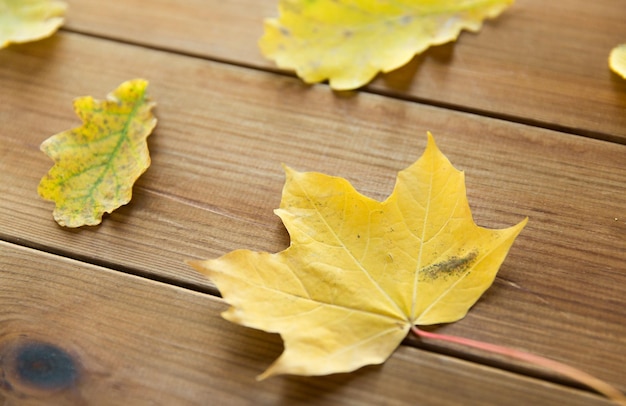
(360,273)
(29,20)
(96,165)
(617,60)
(349,41)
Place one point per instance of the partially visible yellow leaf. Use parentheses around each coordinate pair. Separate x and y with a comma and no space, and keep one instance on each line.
(359,273)
(617,60)
(97,164)
(350,41)
(29,20)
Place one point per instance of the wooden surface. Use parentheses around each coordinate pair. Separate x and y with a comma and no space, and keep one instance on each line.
(185,353)
(527,108)
(543,63)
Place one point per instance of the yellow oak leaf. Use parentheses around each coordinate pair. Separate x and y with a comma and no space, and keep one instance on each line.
(97,164)
(359,273)
(29,20)
(350,41)
(617,60)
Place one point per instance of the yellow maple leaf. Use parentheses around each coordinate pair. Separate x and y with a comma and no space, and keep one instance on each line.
(349,42)
(359,273)
(29,20)
(97,164)
(617,60)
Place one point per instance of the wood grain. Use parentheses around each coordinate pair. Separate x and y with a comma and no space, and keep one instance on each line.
(216,177)
(126,340)
(540,63)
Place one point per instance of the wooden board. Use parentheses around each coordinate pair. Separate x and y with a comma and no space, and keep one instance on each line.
(539,63)
(118,339)
(216,178)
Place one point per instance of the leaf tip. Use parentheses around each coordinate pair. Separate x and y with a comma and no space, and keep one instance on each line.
(290,173)
(523,222)
(196,264)
(431,138)
(431,146)
(517,228)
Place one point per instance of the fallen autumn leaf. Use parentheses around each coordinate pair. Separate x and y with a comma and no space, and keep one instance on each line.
(97,164)
(617,60)
(348,43)
(359,273)
(29,20)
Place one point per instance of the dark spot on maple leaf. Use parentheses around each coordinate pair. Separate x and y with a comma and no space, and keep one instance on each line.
(453,266)
(407,19)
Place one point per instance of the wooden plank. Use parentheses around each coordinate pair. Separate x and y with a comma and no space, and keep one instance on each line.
(216,178)
(72,333)
(541,63)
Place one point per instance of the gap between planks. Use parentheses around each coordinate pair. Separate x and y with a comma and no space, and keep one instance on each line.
(367,89)
(134,340)
(442,349)
(113,266)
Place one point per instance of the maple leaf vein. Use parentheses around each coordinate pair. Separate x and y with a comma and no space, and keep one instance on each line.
(349,253)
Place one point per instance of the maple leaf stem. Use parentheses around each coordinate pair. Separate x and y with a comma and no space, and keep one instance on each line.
(576,374)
